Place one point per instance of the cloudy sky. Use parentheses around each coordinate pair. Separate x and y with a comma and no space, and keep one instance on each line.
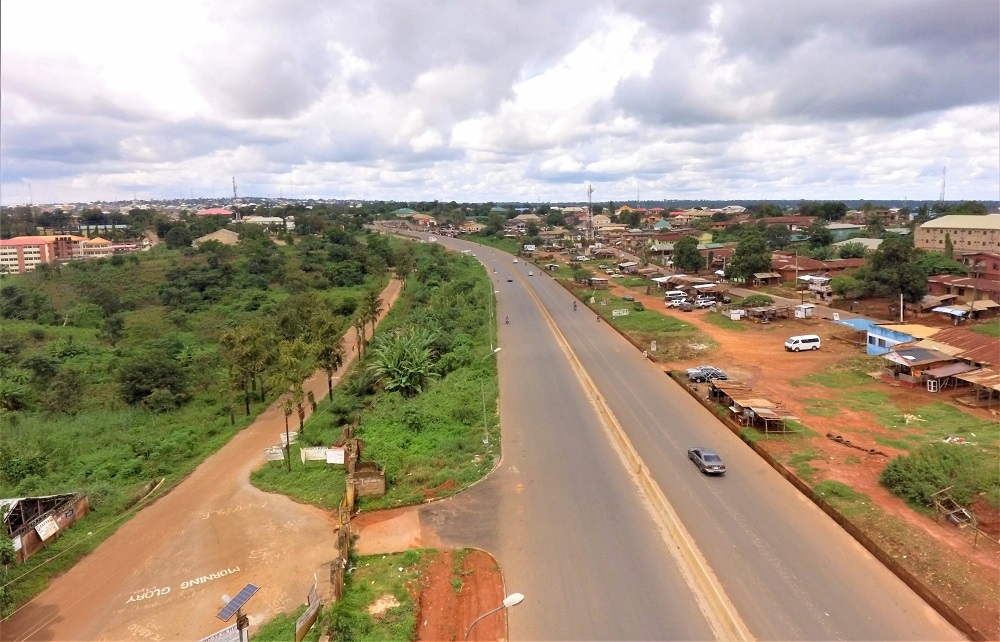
(518,100)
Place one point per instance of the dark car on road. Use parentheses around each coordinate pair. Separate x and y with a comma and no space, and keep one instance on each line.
(510,279)
(706,373)
(687,306)
(707,460)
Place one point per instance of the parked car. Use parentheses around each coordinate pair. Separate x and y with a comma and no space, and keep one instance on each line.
(617,276)
(704,303)
(676,303)
(629,297)
(510,279)
(707,460)
(515,260)
(530,273)
(803,342)
(726,299)
(686,306)
(602,266)
(706,373)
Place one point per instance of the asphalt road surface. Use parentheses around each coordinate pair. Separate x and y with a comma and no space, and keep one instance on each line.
(570,530)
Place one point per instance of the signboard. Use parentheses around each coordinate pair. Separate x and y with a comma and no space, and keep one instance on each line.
(274,453)
(604,301)
(335,456)
(47,528)
(529,248)
(620,313)
(228,634)
(307,619)
(291,437)
(652,346)
(317,453)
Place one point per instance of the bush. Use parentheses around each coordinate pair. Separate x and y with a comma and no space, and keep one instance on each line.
(757,301)
(934,467)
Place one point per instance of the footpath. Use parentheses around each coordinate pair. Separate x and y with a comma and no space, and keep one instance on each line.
(163,573)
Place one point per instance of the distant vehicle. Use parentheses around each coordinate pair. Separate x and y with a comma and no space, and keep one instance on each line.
(510,279)
(629,297)
(687,306)
(726,299)
(675,294)
(707,460)
(602,266)
(515,260)
(706,373)
(530,273)
(582,258)
(431,239)
(803,342)
(676,303)
(617,276)
(704,303)
(609,271)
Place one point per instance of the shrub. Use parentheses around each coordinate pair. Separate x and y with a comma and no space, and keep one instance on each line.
(934,467)
(757,301)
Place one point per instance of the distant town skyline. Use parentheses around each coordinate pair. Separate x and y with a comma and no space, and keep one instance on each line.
(500,101)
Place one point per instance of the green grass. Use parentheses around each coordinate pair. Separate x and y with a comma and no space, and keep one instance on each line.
(281,628)
(724,322)
(800,463)
(989,329)
(822,408)
(314,482)
(842,497)
(373,577)
(848,373)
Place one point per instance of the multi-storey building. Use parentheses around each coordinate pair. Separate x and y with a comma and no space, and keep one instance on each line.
(25,253)
(968,233)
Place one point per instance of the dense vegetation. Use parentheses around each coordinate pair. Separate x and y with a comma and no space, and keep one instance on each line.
(424,391)
(966,470)
(120,371)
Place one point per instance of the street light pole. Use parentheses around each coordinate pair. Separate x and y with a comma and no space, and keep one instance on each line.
(482,387)
(511,600)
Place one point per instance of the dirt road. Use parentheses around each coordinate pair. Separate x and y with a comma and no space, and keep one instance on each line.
(162,575)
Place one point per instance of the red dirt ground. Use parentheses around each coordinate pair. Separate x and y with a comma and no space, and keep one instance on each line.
(757,356)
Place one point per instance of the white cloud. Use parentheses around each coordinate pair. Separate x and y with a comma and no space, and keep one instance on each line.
(495,100)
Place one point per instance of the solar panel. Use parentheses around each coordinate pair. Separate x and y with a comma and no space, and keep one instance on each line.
(237,602)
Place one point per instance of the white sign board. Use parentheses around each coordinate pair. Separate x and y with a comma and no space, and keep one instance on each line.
(317,453)
(47,528)
(529,248)
(652,346)
(274,453)
(228,634)
(336,456)
(620,313)
(291,437)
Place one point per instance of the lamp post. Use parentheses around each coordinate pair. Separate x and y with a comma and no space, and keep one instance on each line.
(482,387)
(511,600)
(490,305)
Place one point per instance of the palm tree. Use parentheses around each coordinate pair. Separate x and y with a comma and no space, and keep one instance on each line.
(404,361)
(371,307)
(250,350)
(359,331)
(330,357)
(328,347)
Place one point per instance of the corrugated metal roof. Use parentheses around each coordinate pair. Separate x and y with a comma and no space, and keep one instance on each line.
(966,344)
(988,377)
(915,330)
(950,369)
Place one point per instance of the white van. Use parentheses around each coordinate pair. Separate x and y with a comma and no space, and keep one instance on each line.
(674,294)
(802,342)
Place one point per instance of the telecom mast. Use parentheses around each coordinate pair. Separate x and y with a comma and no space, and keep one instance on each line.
(236,209)
(590,212)
(944,174)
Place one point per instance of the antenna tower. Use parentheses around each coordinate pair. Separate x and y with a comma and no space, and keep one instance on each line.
(590,211)
(944,174)
(235,204)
